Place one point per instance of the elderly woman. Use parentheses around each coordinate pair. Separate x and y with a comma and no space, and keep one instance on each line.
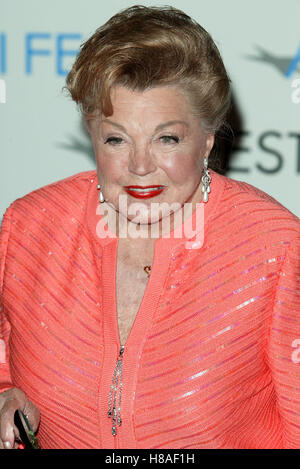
(153,303)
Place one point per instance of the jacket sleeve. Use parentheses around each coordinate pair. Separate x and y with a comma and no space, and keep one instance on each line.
(284,345)
(5,380)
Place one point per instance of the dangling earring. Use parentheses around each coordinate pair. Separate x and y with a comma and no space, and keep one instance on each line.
(101,196)
(206,178)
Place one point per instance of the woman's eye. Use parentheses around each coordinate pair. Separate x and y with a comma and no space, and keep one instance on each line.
(114,140)
(170,139)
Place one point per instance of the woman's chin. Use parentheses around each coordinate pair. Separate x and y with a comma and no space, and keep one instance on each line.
(144,220)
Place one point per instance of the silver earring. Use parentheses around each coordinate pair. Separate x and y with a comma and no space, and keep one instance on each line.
(206,178)
(101,196)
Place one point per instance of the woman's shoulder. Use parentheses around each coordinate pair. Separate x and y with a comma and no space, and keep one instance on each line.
(74,181)
(243,192)
(64,198)
(75,185)
(252,206)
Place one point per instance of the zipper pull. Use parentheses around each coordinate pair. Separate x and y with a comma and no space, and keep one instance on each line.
(114,409)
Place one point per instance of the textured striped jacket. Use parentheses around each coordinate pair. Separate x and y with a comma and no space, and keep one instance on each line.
(212,358)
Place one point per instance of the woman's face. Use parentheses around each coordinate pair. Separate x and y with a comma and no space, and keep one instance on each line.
(151,139)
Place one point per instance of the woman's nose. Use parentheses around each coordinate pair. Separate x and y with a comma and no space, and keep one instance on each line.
(141,162)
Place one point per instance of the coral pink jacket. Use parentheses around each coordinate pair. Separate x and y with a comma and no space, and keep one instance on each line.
(212,358)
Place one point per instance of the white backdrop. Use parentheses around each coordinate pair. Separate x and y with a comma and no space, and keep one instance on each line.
(41,137)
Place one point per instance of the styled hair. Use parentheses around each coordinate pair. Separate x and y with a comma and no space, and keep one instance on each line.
(145,47)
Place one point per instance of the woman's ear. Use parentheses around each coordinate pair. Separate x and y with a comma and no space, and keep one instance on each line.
(87,125)
(210,141)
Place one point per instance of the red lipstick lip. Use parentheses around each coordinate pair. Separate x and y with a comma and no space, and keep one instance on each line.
(143,187)
(146,194)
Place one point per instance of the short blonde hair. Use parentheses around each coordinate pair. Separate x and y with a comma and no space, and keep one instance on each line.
(145,47)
